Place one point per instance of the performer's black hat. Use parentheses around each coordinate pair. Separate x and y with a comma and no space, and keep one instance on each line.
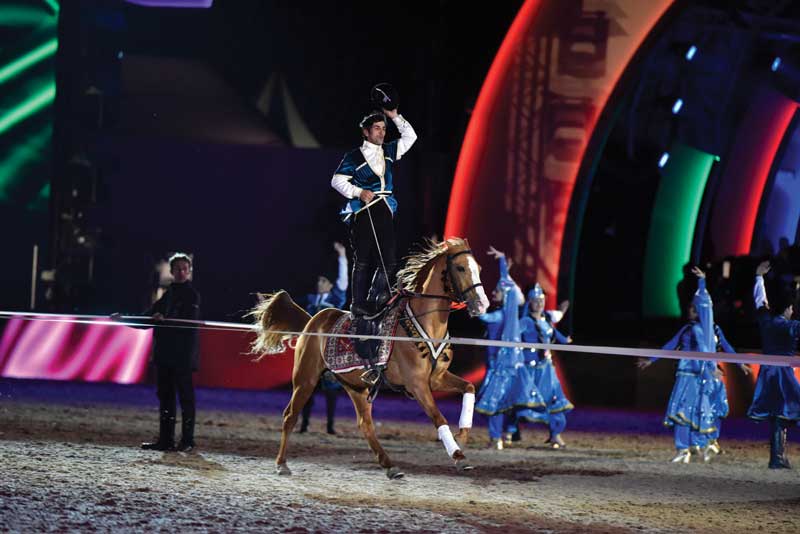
(384,96)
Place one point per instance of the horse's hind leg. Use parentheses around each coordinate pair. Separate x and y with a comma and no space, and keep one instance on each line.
(450,383)
(364,415)
(308,367)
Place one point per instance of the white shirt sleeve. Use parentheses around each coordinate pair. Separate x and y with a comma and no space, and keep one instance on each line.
(407,135)
(760,292)
(520,294)
(341,183)
(341,279)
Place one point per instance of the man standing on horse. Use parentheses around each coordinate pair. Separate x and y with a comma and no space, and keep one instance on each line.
(365,178)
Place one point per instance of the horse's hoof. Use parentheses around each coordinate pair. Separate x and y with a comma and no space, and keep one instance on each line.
(394,473)
(283,470)
(462,466)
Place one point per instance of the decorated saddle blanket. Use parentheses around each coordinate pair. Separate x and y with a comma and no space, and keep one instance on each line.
(340,353)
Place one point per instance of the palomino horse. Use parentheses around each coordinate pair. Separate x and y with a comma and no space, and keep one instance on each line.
(434,277)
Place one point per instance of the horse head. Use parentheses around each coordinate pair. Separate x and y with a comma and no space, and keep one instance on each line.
(462,277)
(460,274)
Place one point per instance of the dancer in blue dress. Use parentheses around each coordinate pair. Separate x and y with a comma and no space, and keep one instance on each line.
(719,398)
(494,397)
(777,395)
(698,400)
(539,374)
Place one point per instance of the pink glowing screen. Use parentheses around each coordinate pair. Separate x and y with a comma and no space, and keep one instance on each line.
(102,351)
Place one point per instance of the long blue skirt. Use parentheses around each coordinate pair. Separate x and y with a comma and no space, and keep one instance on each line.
(494,397)
(690,403)
(719,399)
(777,394)
(544,379)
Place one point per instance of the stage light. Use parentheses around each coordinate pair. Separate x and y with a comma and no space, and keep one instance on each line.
(776,64)
(664,159)
(691,52)
(28,59)
(676,107)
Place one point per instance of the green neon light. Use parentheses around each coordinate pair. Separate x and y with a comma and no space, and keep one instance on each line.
(40,202)
(26,151)
(669,242)
(21,16)
(53,5)
(35,103)
(28,60)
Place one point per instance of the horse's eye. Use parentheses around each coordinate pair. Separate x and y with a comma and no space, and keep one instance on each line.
(460,269)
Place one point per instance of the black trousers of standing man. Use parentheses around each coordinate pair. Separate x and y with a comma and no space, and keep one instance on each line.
(172,380)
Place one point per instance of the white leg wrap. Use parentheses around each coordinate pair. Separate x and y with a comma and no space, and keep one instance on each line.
(448,440)
(467,407)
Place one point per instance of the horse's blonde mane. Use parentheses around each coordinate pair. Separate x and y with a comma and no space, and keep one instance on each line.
(409,277)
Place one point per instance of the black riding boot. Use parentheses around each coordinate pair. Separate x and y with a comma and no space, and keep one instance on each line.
(187,434)
(381,290)
(362,279)
(166,434)
(777,445)
(367,349)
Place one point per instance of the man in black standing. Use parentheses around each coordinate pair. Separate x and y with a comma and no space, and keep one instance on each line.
(176,356)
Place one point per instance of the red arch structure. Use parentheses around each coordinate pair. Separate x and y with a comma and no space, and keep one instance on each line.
(514,173)
(501,180)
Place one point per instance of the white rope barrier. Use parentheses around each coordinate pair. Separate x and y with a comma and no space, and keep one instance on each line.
(148,322)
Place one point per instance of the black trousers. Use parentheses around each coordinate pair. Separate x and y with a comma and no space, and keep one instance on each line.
(331,395)
(171,381)
(366,260)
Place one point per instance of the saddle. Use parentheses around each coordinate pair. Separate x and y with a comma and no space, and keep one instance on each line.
(341,354)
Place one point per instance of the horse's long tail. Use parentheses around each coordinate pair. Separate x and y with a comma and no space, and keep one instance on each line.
(276,311)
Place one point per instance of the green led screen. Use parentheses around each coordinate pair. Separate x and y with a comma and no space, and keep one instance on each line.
(28,44)
(669,241)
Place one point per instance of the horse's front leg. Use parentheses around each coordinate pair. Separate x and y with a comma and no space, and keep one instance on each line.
(364,415)
(447,382)
(422,392)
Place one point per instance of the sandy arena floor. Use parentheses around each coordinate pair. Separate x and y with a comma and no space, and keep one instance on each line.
(79,468)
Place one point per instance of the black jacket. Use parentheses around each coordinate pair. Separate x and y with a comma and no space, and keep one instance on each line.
(176,345)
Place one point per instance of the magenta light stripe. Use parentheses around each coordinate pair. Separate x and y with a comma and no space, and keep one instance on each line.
(38,345)
(135,365)
(10,335)
(173,3)
(68,366)
(112,355)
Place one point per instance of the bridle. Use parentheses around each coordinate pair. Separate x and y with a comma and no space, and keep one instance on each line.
(453,293)
(449,283)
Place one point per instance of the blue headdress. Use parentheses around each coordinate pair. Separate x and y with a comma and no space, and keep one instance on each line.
(705,316)
(536,292)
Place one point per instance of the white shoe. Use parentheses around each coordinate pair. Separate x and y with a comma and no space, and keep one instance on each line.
(684,456)
(711,450)
(496,444)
